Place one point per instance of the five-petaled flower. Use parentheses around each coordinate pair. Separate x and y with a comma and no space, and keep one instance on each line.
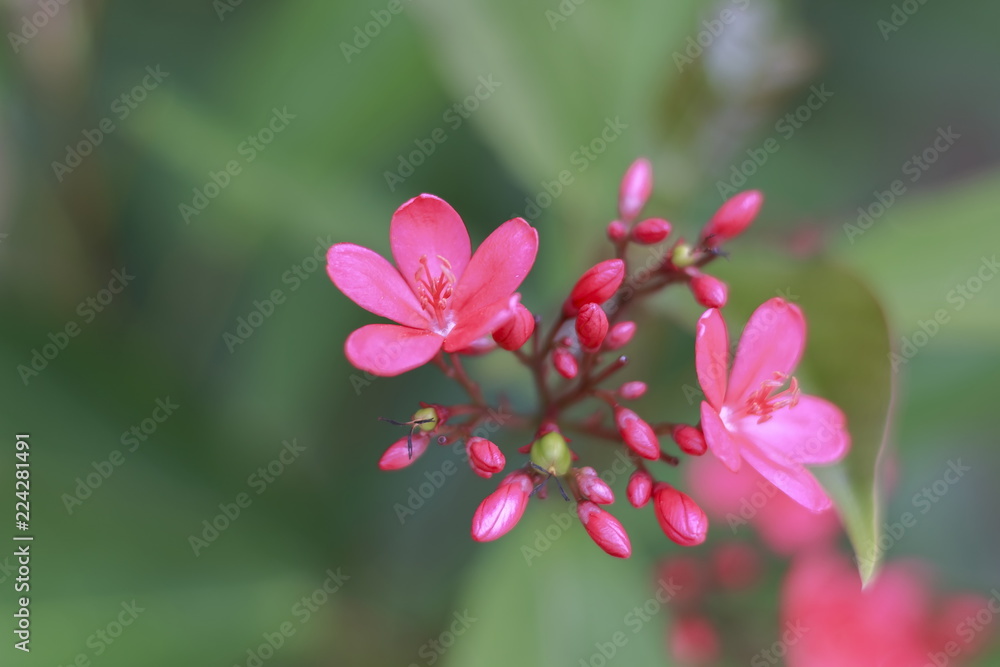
(441,296)
(748,419)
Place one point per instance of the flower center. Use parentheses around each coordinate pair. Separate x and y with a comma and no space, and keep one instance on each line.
(435,293)
(767,399)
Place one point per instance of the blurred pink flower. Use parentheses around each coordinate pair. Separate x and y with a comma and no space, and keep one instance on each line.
(747,419)
(441,295)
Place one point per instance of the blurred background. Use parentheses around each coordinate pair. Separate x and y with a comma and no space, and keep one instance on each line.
(203,458)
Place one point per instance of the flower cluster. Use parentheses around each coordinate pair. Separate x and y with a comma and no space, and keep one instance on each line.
(449,303)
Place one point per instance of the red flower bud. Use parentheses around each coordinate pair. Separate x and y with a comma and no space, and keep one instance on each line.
(732,217)
(596,285)
(637,434)
(485,458)
(637,185)
(736,565)
(651,231)
(565,363)
(501,510)
(619,335)
(591,326)
(516,331)
(689,439)
(397,456)
(640,488)
(680,517)
(604,529)
(694,641)
(709,291)
(593,487)
(632,390)
(617,231)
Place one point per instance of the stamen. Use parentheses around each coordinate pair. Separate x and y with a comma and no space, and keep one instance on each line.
(765,401)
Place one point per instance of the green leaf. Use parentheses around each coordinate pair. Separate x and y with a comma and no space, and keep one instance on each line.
(846,361)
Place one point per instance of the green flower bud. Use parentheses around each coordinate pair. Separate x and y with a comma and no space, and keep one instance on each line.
(683,257)
(551,453)
(429,414)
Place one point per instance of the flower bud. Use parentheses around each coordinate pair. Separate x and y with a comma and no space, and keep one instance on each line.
(551,453)
(632,390)
(516,331)
(637,434)
(429,416)
(593,487)
(651,231)
(398,455)
(709,291)
(596,285)
(604,529)
(693,641)
(501,510)
(619,335)
(617,231)
(683,256)
(565,363)
(637,185)
(680,517)
(732,218)
(689,439)
(736,565)
(485,458)
(591,326)
(640,488)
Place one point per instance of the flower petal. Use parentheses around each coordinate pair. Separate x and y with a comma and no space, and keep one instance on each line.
(772,342)
(811,432)
(370,281)
(495,271)
(388,349)
(711,356)
(428,226)
(792,478)
(725,444)
(474,325)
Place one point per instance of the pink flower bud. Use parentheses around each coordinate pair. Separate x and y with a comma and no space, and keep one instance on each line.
(694,641)
(619,335)
(640,488)
(604,529)
(617,231)
(651,231)
(689,439)
(596,285)
(591,326)
(637,185)
(680,517)
(502,509)
(565,363)
(485,458)
(632,390)
(732,217)
(593,487)
(709,291)
(397,456)
(637,434)
(516,331)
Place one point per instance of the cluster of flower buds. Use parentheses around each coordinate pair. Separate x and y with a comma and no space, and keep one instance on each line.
(449,303)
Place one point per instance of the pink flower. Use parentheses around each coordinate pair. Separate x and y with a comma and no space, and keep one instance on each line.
(747,419)
(441,295)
